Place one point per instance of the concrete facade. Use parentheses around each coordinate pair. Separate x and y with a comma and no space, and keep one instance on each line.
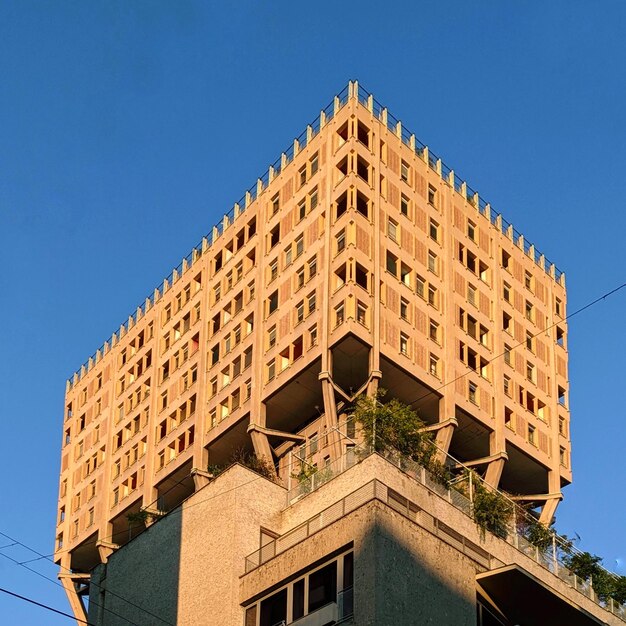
(417,558)
(358,261)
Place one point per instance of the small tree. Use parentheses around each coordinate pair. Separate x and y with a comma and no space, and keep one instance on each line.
(492,511)
(393,425)
(534,531)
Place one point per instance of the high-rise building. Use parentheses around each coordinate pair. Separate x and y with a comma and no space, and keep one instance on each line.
(359,261)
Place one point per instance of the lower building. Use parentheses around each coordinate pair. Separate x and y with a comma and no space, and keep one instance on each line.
(368,541)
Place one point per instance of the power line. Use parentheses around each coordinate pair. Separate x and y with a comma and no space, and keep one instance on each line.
(58,584)
(44,606)
(46,557)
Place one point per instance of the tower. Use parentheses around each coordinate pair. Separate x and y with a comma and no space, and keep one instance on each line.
(358,261)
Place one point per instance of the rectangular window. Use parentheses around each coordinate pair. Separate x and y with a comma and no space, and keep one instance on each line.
(471,294)
(392,230)
(471,230)
(507,386)
(432,194)
(529,310)
(271,337)
(314,164)
(506,292)
(404,343)
(404,205)
(531,435)
(341,240)
(272,303)
(299,245)
(432,296)
(275,204)
(420,286)
(339,314)
(361,313)
(433,365)
(472,392)
(404,309)
(433,331)
(434,230)
(432,262)
(404,171)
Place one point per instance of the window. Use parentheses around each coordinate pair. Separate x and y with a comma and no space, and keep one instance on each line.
(314,164)
(433,365)
(528,280)
(300,278)
(506,292)
(433,331)
(531,435)
(558,307)
(560,336)
(530,371)
(404,344)
(392,230)
(404,205)
(529,310)
(561,395)
(404,171)
(313,335)
(432,194)
(404,309)
(507,386)
(420,286)
(432,296)
(507,323)
(288,256)
(271,370)
(434,230)
(341,240)
(271,337)
(312,302)
(302,209)
(529,341)
(312,267)
(299,245)
(274,236)
(313,199)
(471,230)
(562,426)
(506,260)
(361,313)
(507,354)
(302,175)
(392,263)
(562,456)
(275,204)
(471,294)
(433,265)
(472,391)
(339,314)
(272,302)
(300,311)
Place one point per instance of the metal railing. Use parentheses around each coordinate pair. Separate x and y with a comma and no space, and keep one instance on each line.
(457,494)
(450,177)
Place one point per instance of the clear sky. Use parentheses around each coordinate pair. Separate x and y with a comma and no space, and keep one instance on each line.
(128,128)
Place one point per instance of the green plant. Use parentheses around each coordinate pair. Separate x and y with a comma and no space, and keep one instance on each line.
(393,425)
(491,510)
(536,533)
(257,464)
(140,517)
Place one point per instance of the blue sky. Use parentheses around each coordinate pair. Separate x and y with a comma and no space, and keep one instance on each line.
(128,128)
